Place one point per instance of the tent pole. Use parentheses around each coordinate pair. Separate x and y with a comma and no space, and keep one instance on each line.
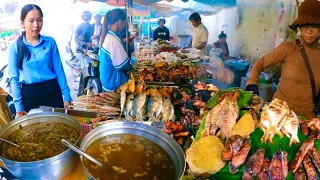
(149,24)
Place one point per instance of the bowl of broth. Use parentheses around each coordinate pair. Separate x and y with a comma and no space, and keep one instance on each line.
(41,153)
(132,150)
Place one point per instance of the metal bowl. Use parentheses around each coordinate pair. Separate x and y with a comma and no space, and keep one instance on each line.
(55,167)
(159,137)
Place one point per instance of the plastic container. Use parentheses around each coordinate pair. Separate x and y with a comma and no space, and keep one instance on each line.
(241,66)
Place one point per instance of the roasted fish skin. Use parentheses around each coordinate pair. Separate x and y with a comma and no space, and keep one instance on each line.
(303,150)
(315,156)
(255,162)
(263,174)
(310,169)
(277,169)
(290,128)
(300,174)
(228,116)
(240,157)
(226,154)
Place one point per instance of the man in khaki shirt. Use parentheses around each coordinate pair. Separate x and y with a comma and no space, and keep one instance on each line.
(295,85)
(199,34)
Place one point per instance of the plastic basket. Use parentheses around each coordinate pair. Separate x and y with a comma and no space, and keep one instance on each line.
(241,66)
(85,128)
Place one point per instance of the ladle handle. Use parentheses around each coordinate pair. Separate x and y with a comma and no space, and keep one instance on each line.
(10,142)
(79,151)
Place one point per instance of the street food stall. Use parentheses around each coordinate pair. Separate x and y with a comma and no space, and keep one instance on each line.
(177,117)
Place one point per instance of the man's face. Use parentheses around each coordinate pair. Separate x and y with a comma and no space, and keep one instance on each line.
(161,23)
(195,23)
(86,19)
(97,20)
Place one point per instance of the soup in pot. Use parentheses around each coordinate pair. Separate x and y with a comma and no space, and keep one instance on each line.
(128,156)
(38,141)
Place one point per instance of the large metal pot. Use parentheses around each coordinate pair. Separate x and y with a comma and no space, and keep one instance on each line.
(139,129)
(55,167)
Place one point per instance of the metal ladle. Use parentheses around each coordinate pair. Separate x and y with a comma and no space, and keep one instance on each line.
(79,151)
(9,142)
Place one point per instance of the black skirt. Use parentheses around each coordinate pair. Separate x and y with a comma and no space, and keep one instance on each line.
(47,93)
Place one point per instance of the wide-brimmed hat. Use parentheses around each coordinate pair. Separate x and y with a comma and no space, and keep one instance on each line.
(309,13)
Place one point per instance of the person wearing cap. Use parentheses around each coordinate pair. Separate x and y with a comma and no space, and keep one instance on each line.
(161,32)
(295,86)
(199,34)
(97,30)
(223,45)
(82,34)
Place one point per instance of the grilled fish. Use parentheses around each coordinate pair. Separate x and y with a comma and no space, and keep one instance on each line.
(128,110)
(240,157)
(272,119)
(255,162)
(278,169)
(211,126)
(139,105)
(123,97)
(290,128)
(263,174)
(228,116)
(303,150)
(315,156)
(154,104)
(300,174)
(310,169)
(167,111)
(226,154)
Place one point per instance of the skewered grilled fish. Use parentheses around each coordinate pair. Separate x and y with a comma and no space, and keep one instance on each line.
(303,150)
(279,166)
(255,162)
(240,157)
(290,128)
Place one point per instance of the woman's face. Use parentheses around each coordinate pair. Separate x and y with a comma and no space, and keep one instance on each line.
(310,33)
(121,24)
(33,23)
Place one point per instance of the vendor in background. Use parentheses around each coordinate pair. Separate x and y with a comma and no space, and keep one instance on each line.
(295,86)
(222,44)
(36,73)
(199,34)
(161,32)
(114,61)
(97,30)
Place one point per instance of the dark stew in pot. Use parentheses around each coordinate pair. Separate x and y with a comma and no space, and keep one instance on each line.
(38,141)
(127,156)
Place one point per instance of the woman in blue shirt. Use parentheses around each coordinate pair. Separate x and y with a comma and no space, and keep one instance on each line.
(35,69)
(114,61)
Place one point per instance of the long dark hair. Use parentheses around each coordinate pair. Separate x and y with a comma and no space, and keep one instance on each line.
(23,51)
(110,18)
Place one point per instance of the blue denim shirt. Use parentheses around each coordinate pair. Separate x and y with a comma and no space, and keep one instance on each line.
(44,64)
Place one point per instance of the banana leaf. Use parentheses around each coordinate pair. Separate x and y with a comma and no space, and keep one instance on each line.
(243,101)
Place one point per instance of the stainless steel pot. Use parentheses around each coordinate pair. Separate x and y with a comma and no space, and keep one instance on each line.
(55,167)
(139,129)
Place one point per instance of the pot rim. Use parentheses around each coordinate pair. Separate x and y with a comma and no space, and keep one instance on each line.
(131,125)
(31,116)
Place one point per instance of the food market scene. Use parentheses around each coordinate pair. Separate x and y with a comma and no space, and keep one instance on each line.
(159,90)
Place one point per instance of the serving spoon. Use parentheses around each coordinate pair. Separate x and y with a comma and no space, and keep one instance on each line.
(79,151)
(9,142)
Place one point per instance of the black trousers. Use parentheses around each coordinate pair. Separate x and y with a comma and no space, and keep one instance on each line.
(46,93)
